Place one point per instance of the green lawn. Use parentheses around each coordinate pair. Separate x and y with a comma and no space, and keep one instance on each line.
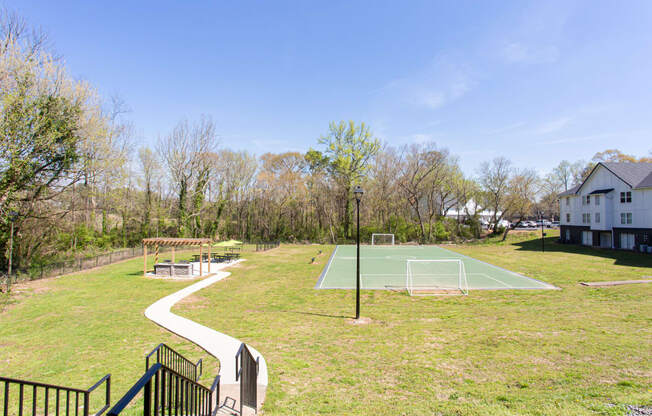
(556,352)
(73,330)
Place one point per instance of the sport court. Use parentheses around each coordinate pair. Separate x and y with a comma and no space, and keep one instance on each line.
(385,267)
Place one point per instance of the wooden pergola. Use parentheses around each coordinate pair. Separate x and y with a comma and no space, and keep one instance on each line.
(176,242)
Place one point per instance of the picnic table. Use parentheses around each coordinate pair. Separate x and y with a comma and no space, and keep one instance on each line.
(219,257)
(196,257)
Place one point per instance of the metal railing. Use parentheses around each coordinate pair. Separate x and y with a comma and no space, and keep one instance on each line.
(176,362)
(53,402)
(44,270)
(167,392)
(246,371)
(267,246)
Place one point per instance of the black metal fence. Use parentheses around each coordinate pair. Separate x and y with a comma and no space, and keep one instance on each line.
(175,361)
(40,271)
(167,392)
(267,246)
(246,370)
(49,399)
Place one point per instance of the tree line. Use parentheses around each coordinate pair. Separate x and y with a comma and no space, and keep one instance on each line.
(73,180)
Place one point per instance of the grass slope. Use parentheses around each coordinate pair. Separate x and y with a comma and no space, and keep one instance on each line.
(572,351)
(73,330)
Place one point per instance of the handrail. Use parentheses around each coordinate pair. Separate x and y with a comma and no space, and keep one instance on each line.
(200,365)
(246,371)
(37,384)
(107,402)
(134,390)
(216,382)
(176,361)
(175,391)
(56,388)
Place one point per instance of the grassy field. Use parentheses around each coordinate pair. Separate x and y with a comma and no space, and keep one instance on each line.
(570,351)
(75,329)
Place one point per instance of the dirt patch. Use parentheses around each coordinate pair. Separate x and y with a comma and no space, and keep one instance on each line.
(359,321)
(193,302)
(23,290)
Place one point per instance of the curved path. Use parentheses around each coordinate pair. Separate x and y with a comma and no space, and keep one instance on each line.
(221,346)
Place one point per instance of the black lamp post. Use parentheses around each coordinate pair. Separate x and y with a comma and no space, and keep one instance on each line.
(12,218)
(358,196)
(543,235)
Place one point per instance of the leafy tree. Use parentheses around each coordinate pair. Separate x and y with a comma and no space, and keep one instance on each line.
(349,149)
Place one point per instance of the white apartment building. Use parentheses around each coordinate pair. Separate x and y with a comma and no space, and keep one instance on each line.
(612,208)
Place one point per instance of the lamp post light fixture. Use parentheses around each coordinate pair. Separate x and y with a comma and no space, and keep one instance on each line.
(358,192)
(12,218)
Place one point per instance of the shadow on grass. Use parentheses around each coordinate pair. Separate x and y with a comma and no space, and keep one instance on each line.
(322,314)
(620,257)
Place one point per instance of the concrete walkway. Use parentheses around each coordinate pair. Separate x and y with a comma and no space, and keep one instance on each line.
(219,345)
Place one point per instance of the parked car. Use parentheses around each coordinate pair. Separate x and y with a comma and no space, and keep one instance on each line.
(554,224)
(504,223)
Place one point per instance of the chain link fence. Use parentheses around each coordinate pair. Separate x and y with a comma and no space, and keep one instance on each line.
(41,271)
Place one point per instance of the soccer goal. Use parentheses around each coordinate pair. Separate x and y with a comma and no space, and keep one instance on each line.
(382,239)
(436,277)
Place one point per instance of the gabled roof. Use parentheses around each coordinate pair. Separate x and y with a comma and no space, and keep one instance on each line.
(646,183)
(636,175)
(570,191)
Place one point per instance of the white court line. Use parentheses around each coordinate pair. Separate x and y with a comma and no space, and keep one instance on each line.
(499,281)
(443,277)
(329,266)
(399,258)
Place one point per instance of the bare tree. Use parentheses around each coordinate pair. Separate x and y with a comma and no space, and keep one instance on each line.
(523,188)
(421,168)
(494,178)
(184,152)
(14,30)
(149,166)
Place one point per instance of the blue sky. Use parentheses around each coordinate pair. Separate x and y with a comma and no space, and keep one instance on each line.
(536,82)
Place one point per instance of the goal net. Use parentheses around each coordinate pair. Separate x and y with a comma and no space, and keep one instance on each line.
(436,277)
(382,239)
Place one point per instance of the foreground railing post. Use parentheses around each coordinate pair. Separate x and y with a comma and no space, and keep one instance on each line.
(86,403)
(147,399)
(156,390)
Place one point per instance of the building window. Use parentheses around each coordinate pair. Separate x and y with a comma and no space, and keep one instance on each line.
(567,201)
(586,200)
(625,217)
(625,197)
(568,218)
(597,200)
(627,241)
(597,217)
(586,218)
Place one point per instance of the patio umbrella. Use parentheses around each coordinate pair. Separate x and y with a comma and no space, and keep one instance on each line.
(229,243)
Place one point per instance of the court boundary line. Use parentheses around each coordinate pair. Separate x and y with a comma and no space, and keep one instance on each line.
(326,269)
(507,286)
(549,286)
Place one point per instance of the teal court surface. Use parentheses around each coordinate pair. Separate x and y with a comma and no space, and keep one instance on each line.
(386,267)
